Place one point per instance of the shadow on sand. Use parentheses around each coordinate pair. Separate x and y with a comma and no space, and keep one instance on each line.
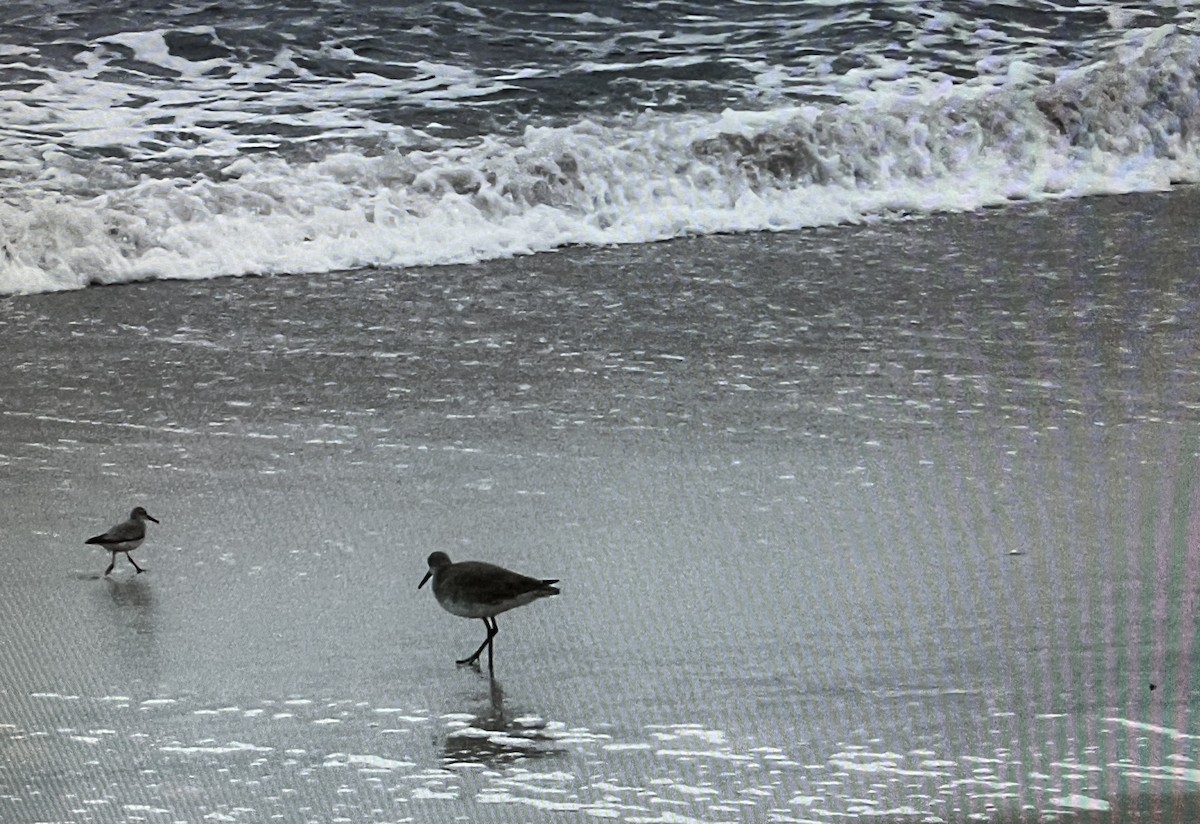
(132,603)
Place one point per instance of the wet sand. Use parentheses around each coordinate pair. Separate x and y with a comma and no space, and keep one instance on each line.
(892,522)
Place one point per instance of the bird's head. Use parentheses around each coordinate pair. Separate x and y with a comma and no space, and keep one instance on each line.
(140,514)
(437,560)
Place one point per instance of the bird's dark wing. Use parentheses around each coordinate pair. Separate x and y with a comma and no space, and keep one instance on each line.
(119,534)
(493,584)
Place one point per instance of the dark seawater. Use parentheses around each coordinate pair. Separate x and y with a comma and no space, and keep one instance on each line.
(891,522)
(200,140)
(839,358)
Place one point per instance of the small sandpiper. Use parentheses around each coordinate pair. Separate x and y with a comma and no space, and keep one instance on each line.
(474,589)
(125,537)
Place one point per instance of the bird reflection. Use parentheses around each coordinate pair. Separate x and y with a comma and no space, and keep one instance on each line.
(492,735)
(134,598)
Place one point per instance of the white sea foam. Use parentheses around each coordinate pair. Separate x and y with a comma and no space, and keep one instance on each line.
(54,695)
(713,780)
(912,144)
(1078,801)
(366,762)
(1143,726)
(213,748)
(427,794)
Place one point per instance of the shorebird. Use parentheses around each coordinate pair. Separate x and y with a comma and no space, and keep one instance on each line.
(474,589)
(125,537)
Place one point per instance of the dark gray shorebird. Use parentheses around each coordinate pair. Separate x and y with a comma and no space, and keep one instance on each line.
(475,589)
(125,537)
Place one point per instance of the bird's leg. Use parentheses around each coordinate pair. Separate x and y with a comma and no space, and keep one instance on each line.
(492,630)
(110,566)
(129,558)
(473,658)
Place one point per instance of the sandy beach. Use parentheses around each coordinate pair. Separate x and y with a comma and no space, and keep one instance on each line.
(895,522)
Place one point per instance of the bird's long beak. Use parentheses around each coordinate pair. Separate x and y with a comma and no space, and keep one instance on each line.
(428,575)
(151,517)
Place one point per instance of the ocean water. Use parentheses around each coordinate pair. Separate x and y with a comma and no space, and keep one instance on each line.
(838,358)
(870,525)
(202,140)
